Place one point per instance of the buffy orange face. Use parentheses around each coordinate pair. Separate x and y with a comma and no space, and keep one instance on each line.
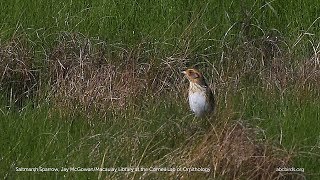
(201,99)
(194,76)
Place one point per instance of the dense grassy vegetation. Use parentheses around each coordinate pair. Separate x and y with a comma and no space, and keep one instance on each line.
(98,84)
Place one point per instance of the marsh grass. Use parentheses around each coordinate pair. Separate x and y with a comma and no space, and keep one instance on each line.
(100,85)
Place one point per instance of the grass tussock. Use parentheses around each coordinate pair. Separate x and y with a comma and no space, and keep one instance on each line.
(19,76)
(84,77)
(233,150)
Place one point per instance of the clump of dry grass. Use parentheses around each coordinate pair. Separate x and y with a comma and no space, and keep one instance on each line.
(19,78)
(268,63)
(85,76)
(232,151)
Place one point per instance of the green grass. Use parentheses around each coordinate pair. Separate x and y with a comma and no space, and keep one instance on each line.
(291,121)
(40,137)
(160,21)
(229,40)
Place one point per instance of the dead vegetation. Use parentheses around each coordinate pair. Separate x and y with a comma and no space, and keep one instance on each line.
(233,150)
(89,73)
(84,76)
(19,76)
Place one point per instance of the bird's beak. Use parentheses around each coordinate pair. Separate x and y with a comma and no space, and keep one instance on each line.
(183,72)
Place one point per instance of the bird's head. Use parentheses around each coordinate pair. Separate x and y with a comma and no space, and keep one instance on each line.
(194,76)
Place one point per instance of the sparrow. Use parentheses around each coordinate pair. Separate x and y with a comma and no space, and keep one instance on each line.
(201,99)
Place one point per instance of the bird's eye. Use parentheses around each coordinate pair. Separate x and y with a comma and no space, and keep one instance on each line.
(194,75)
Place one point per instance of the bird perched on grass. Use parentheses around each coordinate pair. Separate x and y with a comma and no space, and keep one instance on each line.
(201,99)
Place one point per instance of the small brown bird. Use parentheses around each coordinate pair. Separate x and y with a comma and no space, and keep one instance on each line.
(201,99)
